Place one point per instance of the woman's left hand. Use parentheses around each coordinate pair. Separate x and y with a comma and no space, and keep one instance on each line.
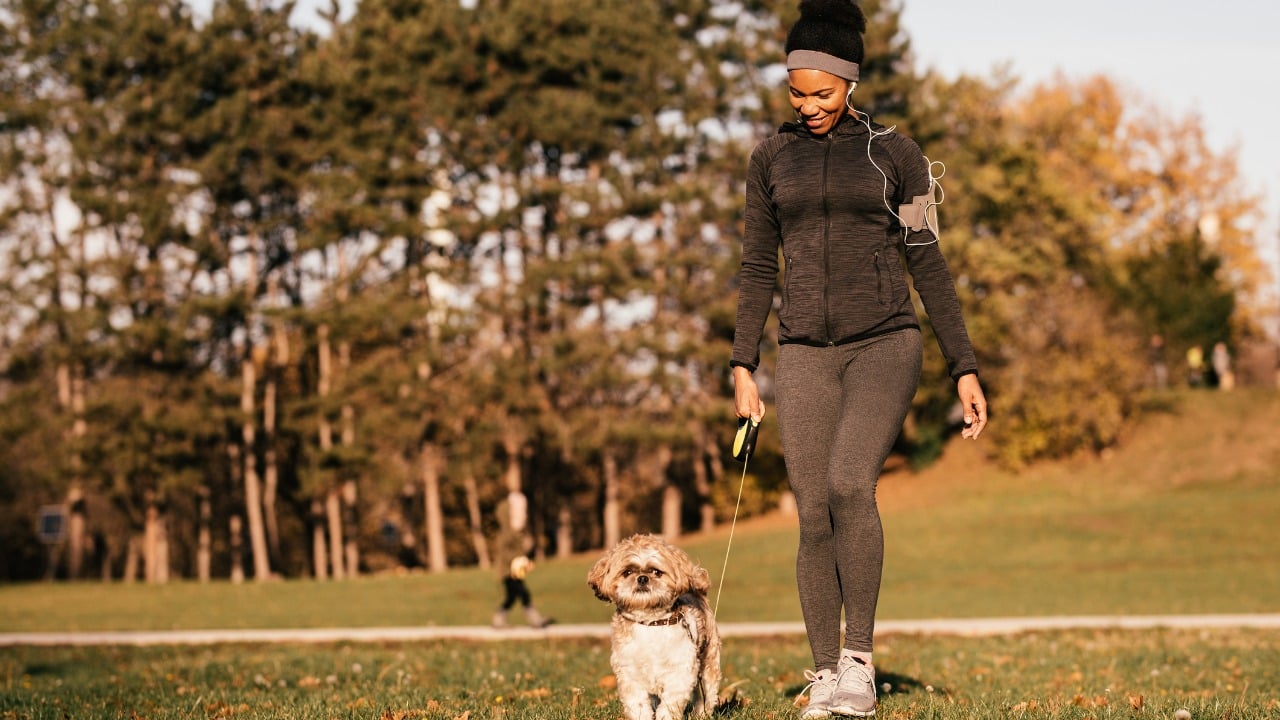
(974,404)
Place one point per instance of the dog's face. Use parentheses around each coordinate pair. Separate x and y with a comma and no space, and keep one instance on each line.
(645,571)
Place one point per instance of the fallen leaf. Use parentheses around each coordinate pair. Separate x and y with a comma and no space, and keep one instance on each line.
(536,693)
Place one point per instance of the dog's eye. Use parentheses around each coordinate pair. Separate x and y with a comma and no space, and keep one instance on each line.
(657,573)
(627,573)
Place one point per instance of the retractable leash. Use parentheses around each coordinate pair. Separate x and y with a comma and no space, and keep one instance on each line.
(743,444)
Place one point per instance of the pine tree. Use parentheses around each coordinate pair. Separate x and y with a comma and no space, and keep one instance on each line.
(252,149)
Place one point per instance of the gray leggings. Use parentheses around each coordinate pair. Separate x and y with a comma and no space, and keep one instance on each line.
(840,409)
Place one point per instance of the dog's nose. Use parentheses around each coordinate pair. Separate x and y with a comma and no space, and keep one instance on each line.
(642,580)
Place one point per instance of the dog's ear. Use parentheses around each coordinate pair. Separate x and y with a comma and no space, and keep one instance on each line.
(700,581)
(596,578)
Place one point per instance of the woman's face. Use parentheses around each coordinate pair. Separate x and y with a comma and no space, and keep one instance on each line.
(818,97)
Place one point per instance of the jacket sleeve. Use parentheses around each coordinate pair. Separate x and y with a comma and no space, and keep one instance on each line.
(929,271)
(759,273)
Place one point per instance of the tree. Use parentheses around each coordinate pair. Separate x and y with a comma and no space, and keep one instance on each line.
(1046,195)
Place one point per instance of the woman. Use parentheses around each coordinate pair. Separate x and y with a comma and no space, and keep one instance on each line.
(845,200)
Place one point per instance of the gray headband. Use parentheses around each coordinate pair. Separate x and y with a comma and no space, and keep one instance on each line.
(816,60)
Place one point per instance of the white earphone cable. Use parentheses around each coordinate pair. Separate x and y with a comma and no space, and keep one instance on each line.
(929,210)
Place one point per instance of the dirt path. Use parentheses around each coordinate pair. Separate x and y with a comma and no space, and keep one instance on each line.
(971,627)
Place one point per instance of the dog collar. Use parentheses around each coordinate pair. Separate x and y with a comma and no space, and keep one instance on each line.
(674,618)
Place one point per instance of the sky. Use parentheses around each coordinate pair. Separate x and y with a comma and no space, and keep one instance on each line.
(1216,60)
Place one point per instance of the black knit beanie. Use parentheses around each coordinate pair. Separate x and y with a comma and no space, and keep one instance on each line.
(827,37)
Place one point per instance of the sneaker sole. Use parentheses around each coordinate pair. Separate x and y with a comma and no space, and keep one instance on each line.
(850,712)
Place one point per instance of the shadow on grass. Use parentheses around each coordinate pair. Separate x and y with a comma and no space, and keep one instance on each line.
(896,683)
(48,669)
(899,684)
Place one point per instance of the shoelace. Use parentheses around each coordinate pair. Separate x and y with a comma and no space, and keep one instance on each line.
(815,679)
(861,671)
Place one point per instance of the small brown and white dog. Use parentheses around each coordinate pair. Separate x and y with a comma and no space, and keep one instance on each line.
(666,647)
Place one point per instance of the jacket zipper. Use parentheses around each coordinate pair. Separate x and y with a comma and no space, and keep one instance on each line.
(826,245)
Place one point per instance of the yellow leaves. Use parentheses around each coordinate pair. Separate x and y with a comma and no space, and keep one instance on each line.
(608,682)
(1024,707)
(1083,701)
(432,709)
(535,693)
(1137,703)
(220,710)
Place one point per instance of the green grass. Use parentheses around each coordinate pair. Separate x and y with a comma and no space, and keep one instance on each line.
(1082,674)
(1182,518)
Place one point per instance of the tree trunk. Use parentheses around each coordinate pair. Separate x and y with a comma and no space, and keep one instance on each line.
(352,547)
(131,557)
(332,504)
(478,540)
(252,485)
(236,544)
(75,531)
(702,460)
(564,531)
(71,398)
(433,518)
(204,537)
(157,547)
(271,471)
(319,555)
(349,495)
(612,507)
(671,495)
(333,513)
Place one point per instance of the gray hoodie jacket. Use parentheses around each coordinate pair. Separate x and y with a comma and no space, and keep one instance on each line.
(822,201)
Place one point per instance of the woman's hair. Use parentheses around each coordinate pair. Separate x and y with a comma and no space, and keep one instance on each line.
(834,27)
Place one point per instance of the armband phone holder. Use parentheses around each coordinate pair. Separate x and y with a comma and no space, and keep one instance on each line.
(745,441)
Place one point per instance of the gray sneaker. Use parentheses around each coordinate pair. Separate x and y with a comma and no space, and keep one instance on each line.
(821,685)
(855,692)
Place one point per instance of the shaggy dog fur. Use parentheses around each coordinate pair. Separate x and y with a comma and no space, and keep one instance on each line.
(666,648)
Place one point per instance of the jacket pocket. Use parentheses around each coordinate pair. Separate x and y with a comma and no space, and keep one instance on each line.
(882,295)
(786,281)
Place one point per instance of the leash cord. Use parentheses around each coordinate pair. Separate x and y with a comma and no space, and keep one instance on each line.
(732,526)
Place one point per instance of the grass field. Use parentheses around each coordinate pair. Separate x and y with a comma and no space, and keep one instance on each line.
(1094,674)
(1182,518)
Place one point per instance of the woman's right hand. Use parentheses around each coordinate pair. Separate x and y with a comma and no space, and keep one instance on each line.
(746,396)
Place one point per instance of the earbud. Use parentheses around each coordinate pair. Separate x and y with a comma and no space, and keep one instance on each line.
(853,85)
